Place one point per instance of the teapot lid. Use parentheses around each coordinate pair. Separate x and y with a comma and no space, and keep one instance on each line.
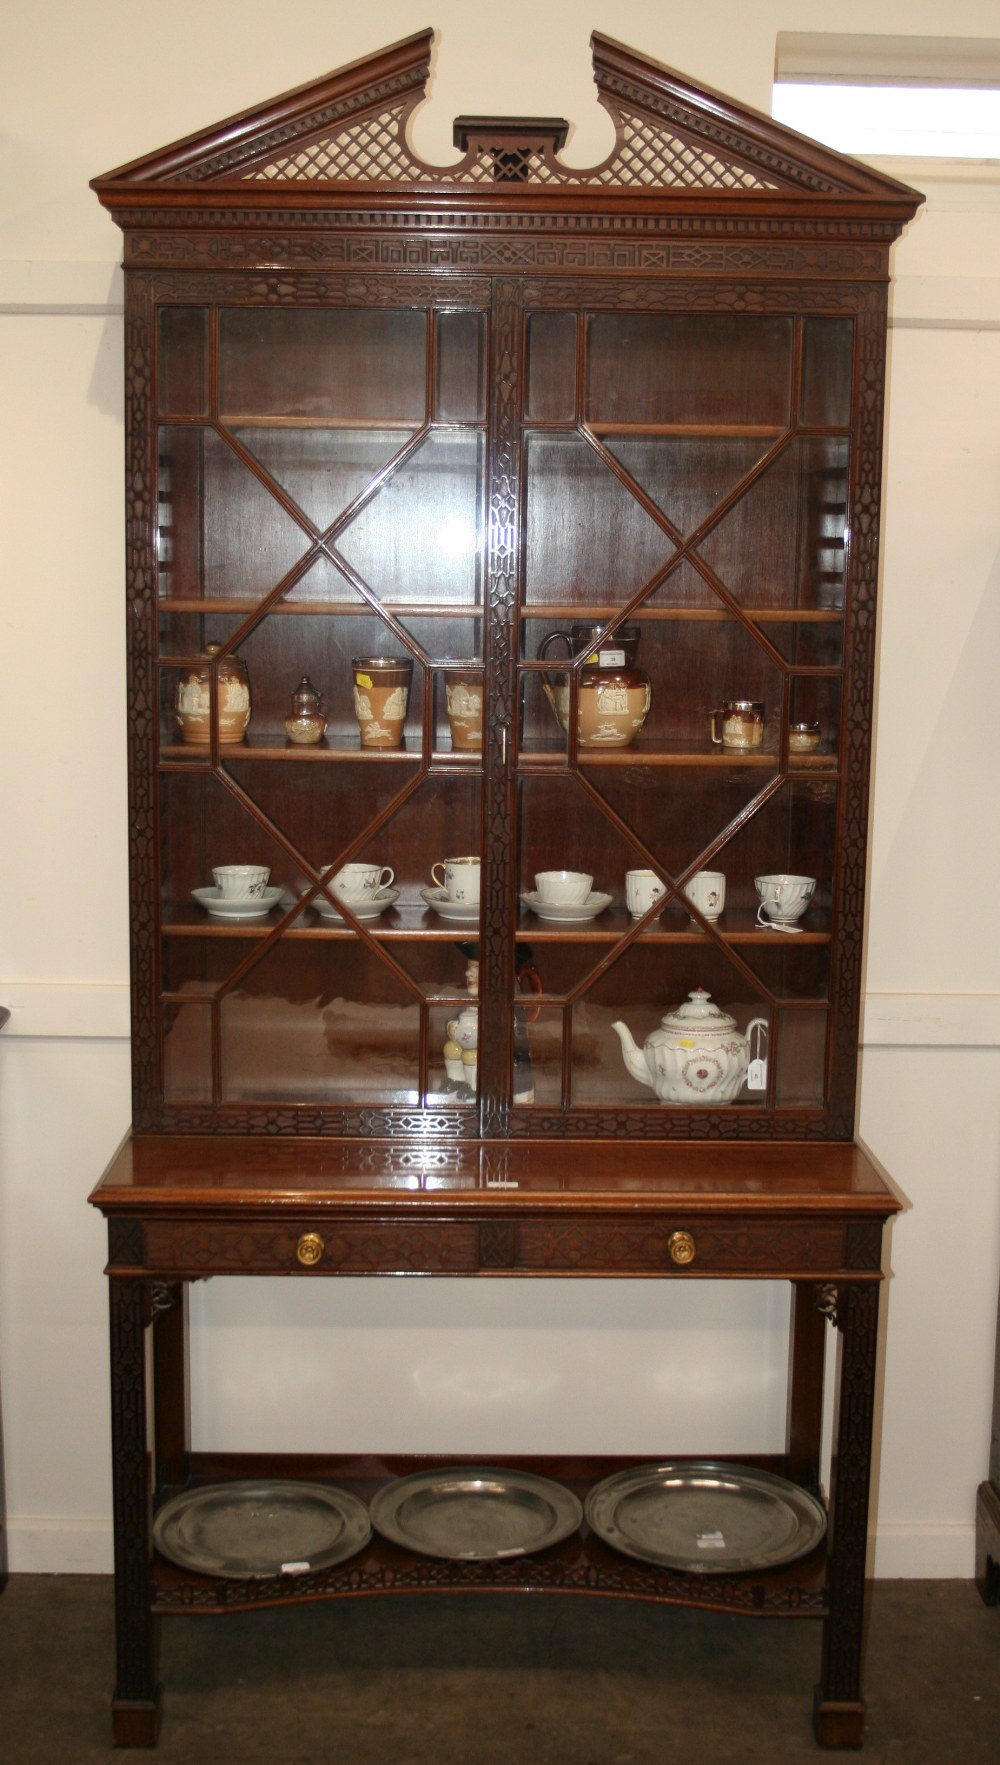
(698,1010)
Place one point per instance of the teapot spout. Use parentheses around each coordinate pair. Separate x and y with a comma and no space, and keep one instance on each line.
(635,1060)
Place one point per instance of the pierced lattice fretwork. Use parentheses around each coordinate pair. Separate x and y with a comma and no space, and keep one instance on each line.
(375,149)
(647,156)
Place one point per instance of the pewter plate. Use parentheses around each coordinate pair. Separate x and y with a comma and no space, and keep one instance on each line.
(271,1527)
(475,1513)
(705,1518)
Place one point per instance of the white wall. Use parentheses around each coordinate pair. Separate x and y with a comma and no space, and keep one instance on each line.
(441,1365)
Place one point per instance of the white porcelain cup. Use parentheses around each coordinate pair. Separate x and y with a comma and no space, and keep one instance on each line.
(459,878)
(358,882)
(241,882)
(642,888)
(707,890)
(568,888)
(784,898)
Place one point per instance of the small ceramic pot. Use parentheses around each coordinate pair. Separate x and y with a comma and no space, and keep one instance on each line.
(381,698)
(193,702)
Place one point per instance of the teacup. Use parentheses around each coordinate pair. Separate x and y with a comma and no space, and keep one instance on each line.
(783,898)
(707,891)
(241,882)
(356,882)
(459,878)
(567,888)
(642,888)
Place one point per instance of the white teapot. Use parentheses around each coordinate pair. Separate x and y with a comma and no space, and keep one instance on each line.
(697,1056)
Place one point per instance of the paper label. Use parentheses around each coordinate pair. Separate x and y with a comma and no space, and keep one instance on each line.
(711,1541)
(294,1568)
(757,1075)
(363,680)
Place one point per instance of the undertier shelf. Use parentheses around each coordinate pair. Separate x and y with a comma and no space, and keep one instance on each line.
(582,1564)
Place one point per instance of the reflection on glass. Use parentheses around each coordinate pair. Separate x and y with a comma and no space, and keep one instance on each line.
(687,479)
(800,1059)
(783,543)
(644,368)
(320,1022)
(187,1053)
(460,394)
(181,363)
(358,364)
(587,538)
(420,537)
(221,532)
(323,470)
(551,377)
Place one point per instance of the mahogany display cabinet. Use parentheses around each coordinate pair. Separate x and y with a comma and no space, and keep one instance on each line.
(557,442)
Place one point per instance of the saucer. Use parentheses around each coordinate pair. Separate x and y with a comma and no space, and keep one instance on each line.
(365,907)
(449,909)
(218,908)
(570,913)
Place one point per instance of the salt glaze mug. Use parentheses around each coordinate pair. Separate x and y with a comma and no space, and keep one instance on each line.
(241,882)
(459,878)
(742,725)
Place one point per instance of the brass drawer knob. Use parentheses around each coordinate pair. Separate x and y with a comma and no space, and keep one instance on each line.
(681,1247)
(309,1249)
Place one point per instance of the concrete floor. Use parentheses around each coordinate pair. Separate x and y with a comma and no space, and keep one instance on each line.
(464,1680)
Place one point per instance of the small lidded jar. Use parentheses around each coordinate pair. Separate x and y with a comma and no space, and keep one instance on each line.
(803,738)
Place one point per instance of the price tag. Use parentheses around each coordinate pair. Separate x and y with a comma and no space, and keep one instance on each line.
(757,1075)
(711,1541)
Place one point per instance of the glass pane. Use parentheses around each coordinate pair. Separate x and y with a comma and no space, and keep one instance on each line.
(461,368)
(551,392)
(782,545)
(799,1059)
(353,364)
(222,533)
(587,538)
(320,1022)
(827,348)
(182,362)
(686,478)
(323,470)
(187,1053)
(610,1066)
(420,537)
(645,368)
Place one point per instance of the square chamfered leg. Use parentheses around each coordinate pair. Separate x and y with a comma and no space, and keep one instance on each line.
(838,1713)
(134,1704)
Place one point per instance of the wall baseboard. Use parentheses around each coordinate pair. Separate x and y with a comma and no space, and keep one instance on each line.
(85,1547)
(39,1546)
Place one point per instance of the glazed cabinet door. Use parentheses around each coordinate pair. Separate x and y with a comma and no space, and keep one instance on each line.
(319,656)
(684,599)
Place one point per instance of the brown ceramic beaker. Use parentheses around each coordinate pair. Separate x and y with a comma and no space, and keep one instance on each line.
(464,700)
(381,697)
